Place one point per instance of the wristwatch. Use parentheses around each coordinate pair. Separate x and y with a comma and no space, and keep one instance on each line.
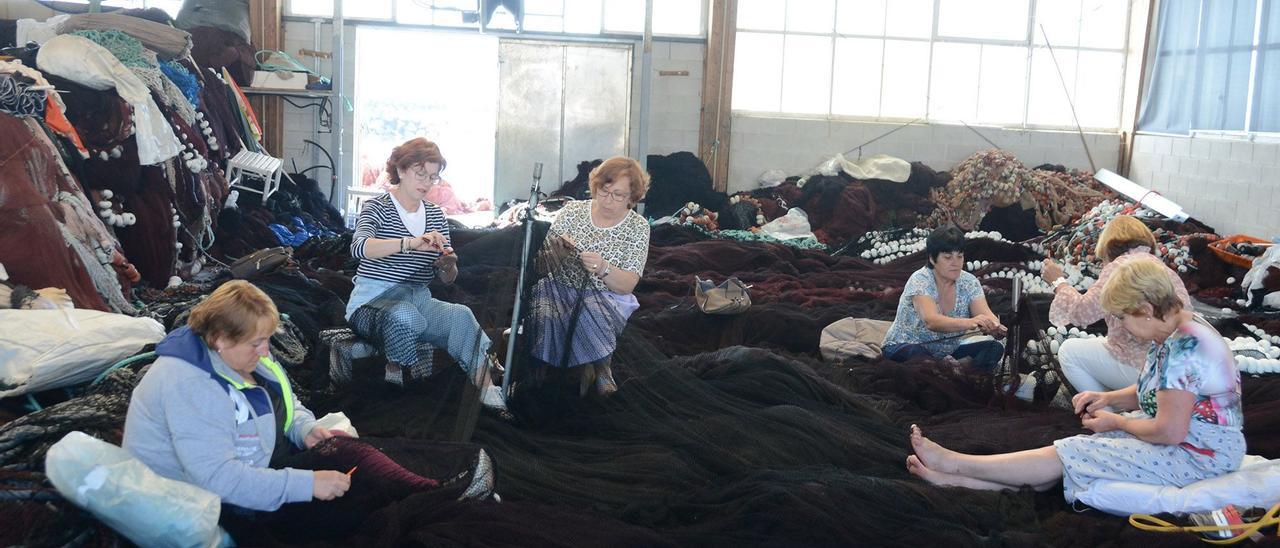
(1060,281)
(605,273)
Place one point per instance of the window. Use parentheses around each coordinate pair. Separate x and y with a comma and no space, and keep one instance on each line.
(169,6)
(670,17)
(940,60)
(1216,67)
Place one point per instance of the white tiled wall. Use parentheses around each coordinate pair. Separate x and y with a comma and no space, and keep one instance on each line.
(761,143)
(1228,184)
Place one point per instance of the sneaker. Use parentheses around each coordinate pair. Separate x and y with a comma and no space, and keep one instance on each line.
(605,385)
(395,375)
(492,400)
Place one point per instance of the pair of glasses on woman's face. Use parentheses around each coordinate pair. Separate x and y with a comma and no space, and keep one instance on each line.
(617,196)
(422,173)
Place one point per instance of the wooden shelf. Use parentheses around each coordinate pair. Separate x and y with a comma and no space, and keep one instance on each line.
(312,93)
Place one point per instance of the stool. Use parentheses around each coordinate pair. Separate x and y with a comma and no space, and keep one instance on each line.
(345,347)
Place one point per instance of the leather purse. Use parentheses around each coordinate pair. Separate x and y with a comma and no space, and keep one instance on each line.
(730,297)
(261,261)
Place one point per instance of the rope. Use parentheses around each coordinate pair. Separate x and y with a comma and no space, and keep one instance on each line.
(122,363)
(1147,522)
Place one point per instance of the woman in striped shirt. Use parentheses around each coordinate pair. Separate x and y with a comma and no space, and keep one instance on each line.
(402,242)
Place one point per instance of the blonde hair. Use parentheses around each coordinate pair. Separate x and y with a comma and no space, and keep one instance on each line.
(236,310)
(1140,281)
(615,168)
(1122,234)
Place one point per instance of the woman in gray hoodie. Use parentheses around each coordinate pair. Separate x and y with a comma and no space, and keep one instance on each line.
(214,410)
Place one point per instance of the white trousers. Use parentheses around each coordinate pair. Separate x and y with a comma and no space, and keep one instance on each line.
(1089,366)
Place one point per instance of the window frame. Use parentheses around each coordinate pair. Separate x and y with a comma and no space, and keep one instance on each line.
(82,6)
(605,32)
(1029,42)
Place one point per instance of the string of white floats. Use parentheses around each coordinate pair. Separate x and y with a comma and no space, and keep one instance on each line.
(1038,351)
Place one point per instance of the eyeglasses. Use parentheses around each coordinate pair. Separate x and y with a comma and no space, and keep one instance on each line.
(617,196)
(423,174)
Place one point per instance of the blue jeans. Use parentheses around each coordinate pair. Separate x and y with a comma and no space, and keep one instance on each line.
(985,354)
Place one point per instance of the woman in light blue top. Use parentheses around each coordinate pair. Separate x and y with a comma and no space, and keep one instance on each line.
(940,303)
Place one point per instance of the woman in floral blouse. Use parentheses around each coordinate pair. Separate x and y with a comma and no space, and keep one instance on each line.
(1185,424)
(1112,363)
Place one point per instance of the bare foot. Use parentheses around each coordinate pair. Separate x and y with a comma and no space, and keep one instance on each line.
(944,479)
(935,456)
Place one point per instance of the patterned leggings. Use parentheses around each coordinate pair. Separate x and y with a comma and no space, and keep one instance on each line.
(402,318)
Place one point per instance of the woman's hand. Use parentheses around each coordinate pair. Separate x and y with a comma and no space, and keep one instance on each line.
(1050,271)
(988,324)
(1089,402)
(316,435)
(430,241)
(592,261)
(1101,421)
(329,484)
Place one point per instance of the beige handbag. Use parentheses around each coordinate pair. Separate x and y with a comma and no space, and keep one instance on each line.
(730,297)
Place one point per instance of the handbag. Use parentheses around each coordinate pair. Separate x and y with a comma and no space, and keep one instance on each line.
(261,261)
(730,297)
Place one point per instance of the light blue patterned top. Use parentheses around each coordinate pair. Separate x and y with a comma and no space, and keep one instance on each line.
(909,328)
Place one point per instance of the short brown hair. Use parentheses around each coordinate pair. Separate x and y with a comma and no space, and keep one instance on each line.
(1122,234)
(615,168)
(235,310)
(1144,280)
(416,151)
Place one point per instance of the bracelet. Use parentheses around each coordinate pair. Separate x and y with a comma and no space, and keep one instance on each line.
(607,269)
(1060,281)
(402,245)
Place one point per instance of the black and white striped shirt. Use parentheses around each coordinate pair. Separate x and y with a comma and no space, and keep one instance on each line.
(379,219)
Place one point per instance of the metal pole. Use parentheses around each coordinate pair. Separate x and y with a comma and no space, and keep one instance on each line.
(516,328)
(646,84)
(338,117)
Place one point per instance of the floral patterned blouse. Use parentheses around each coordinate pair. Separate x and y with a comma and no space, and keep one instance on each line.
(1194,359)
(908,327)
(1072,308)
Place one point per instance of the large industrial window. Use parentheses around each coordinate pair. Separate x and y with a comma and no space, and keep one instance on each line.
(169,6)
(939,60)
(670,17)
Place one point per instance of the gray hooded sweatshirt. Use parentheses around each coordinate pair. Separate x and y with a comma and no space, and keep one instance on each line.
(193,419)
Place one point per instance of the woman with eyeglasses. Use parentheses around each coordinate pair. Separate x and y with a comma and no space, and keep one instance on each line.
(592,259)
(1183,420)
(1112,363)
(402,242)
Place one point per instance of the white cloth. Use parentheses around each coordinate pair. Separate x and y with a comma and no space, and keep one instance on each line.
(1255,484)
(1089,366)
(81,60)
(32,30)
(879,166)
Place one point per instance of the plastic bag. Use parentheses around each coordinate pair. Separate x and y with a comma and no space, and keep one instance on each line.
(338,421)
(771,178)
(118,489)
(57,348)
(795,224)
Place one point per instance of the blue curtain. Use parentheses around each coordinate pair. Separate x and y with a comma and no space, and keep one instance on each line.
(1266,94)
(1200,77)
